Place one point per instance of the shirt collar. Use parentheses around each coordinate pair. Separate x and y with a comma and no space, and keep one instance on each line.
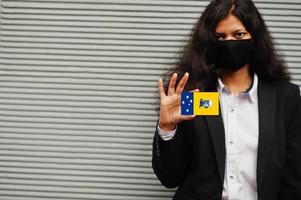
(250,91)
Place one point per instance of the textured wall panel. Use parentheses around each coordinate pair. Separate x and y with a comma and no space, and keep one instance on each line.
(78,91)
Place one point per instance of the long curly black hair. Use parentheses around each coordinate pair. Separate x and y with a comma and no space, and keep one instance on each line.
(197,58)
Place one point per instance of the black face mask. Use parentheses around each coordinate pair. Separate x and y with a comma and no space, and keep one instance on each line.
(232,55)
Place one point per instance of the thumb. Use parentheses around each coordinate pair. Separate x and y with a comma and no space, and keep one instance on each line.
(195,90)
(187,117)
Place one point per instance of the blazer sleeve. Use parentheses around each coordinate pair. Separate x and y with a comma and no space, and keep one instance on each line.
(170,158)
(291,181)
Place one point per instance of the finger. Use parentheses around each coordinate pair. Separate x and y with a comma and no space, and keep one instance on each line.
(172,83)
(195,90)
(182,83)
(161,89)
(187,117)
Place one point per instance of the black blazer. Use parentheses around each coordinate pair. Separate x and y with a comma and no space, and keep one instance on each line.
(194,160)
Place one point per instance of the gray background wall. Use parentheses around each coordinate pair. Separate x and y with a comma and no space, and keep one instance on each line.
(78,91)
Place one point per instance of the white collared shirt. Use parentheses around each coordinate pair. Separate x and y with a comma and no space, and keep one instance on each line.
(240,118)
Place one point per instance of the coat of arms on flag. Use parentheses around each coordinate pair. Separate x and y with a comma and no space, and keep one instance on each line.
(199,103)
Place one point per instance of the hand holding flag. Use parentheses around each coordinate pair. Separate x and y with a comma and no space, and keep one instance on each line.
(170,104)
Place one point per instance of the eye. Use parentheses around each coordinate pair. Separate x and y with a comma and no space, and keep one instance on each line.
(239,35)
(220,37)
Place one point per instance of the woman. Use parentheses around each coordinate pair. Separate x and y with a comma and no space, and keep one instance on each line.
(252,149)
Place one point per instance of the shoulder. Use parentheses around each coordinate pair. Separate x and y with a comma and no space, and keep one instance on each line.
(283,88)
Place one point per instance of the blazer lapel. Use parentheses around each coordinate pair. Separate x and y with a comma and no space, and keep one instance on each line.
(216,129)
(266,109)
(217,132)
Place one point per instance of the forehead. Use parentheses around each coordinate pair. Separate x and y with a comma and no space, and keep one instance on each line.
(229,24)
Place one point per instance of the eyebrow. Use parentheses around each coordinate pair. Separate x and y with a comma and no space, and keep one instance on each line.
(238,30)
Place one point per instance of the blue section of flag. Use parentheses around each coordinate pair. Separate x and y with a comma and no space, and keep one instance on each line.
(187,103)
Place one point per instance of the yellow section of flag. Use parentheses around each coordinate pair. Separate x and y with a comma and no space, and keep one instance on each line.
(205,103)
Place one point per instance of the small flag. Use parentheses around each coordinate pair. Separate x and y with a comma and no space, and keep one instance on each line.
(187,103)
(199,103)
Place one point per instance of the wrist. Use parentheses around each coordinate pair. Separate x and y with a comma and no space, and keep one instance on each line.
(167,127)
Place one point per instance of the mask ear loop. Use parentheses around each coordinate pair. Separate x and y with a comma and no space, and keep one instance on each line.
(252,55)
